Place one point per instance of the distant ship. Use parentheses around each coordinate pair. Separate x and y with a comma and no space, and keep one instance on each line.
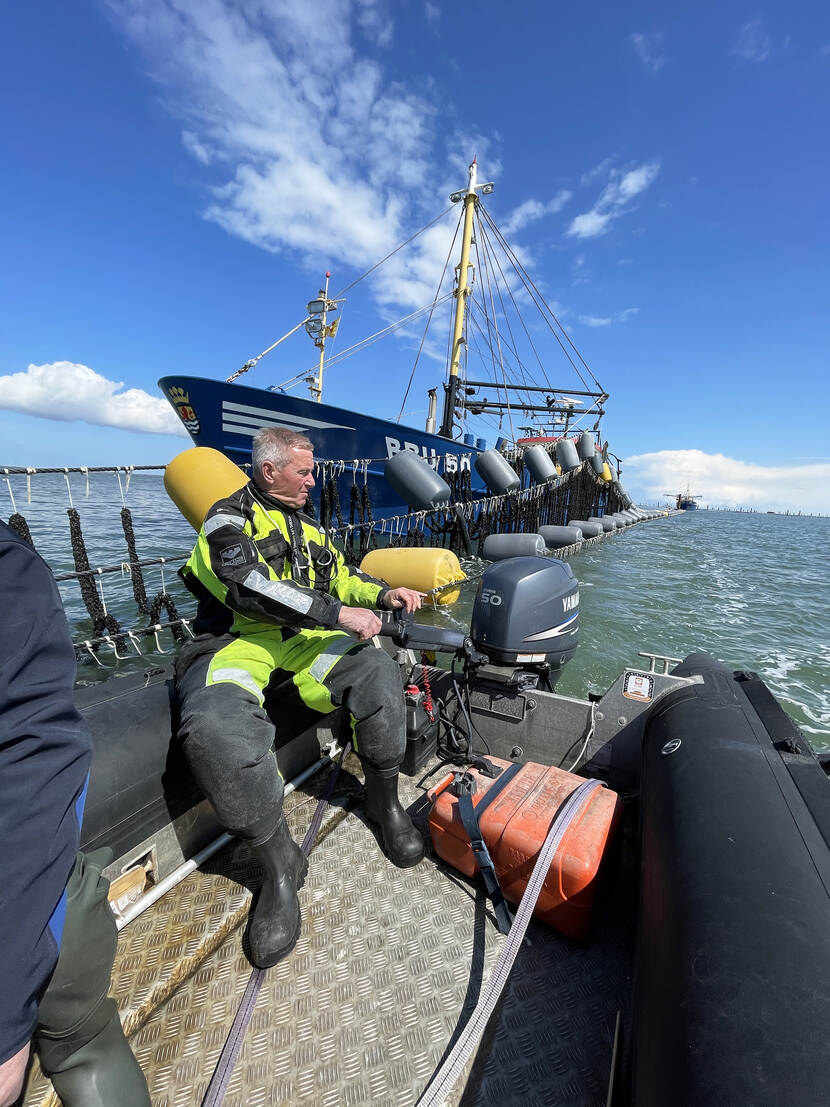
(685,501)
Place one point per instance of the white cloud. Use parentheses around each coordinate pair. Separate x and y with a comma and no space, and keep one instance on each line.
(433,13)
(322,152)
(531,211)
(598,171)
(70,392)
(754,43)
(614,200)
(589,224)
(374,21)
(198,149)
(728,482)
(647,48)
(607,320)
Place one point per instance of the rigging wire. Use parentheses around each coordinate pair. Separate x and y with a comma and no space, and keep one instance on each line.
(429,318)
(521,370)
(496,329)
(539,299)
(382,261)
(364,342)
(520,318)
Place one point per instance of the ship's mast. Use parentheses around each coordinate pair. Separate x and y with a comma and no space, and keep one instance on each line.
(319,330)
(462,291)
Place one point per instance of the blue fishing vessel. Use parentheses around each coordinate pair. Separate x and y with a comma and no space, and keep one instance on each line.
(354,446)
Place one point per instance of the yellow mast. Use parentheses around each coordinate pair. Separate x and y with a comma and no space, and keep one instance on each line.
(462,291)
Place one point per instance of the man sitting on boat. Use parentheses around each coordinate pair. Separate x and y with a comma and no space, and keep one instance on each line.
(278,604)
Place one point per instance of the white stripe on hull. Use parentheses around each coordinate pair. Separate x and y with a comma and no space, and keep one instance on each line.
(251,428)
(232,410)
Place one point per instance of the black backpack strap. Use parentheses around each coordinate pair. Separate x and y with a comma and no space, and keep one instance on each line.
(470,816)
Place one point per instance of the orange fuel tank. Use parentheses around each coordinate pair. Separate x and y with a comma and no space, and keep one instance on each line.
(515,825)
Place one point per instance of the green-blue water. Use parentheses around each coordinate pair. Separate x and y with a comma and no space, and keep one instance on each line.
(750,589)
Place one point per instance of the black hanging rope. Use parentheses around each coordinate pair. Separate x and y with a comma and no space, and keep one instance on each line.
(136,576)
(102,622)
(165,600)
(19,525)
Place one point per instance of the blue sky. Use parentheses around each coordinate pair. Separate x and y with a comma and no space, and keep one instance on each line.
(178,175)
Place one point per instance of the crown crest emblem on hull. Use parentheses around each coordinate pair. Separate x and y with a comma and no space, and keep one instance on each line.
(181,402)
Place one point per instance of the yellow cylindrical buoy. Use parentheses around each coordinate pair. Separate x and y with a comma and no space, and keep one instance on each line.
(422,568)
(606,472)
(196,478)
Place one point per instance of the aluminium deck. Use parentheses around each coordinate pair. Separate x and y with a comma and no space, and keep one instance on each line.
(388,967)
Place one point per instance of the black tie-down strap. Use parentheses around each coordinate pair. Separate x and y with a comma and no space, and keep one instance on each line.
(470,816)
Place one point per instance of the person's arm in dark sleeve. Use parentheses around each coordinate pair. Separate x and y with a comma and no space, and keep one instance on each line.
(45,753)
(228,563)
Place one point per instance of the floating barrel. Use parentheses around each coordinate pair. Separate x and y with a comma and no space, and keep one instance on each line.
(605,522)
(196,478)
(469,440)
(481,443)
(424,569)
(498,547)
(566,454)
(415,481)
(557,537)
(606,472)
(585,446)
(597,463)
(496,472)
(591,528)
(538,461)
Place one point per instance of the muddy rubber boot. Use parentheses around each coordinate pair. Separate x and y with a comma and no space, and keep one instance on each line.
(79,1039)
(274,925)
(402,842)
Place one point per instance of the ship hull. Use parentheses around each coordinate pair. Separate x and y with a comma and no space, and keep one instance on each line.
(226,417)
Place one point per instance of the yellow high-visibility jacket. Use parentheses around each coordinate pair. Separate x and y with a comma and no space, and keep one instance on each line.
(258,564)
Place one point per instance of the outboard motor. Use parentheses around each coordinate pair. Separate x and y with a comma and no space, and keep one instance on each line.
(525,615)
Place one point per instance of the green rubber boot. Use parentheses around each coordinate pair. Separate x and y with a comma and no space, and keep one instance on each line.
(79,1039)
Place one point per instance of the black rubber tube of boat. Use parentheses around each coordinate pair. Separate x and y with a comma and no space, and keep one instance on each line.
(732,979)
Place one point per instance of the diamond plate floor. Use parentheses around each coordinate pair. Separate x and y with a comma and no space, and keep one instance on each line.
(389,965)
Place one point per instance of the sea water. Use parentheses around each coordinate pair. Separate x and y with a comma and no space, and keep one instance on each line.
(751,589)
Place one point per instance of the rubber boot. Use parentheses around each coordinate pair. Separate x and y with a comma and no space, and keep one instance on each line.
(79,1039)
(274,925)
(101,1073)
(402,842)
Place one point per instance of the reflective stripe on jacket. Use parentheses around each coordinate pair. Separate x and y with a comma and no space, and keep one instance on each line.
(257,564)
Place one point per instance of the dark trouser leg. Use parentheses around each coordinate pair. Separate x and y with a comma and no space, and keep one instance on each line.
(368,683)
(80,1042)
(228,742)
